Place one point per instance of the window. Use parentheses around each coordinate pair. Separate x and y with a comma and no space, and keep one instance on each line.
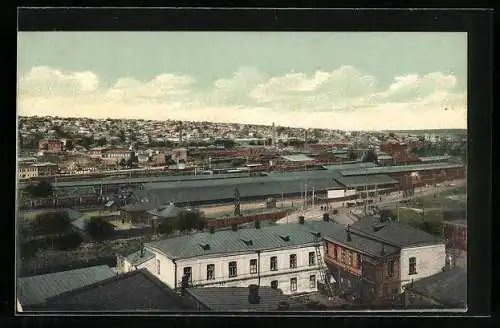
(233,271)
(312,281)
(293,261)
(413,265)
(390,268)
(253,266)
(157,267)
(344,255)
(293,284)
(351,256)
(312,258)
(274,263)
(187,273)
(335,255)
(274,284)
(211,272)
(385,291)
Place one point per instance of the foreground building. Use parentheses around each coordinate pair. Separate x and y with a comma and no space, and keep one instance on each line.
(455,233)
(281,256)
(371,261)
(445,290)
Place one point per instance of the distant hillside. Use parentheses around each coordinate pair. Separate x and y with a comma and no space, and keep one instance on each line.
(438,131)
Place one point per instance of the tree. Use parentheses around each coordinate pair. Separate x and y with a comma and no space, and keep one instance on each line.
(98,228)
(189,220)
(166,226)
(370,156)
(52,223)
(122,162)
(433,227)
(351,155)
(42,189)
(101,142)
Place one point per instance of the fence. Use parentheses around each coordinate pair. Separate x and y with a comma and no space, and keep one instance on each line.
(227,222)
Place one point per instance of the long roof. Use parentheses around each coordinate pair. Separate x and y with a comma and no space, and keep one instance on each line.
(395,233)
(448,287)
(132,291)
(206,191)
(168,211)
(362,180)
(230,242)
(297,158)
(236,299)
(401,168)
(36,289)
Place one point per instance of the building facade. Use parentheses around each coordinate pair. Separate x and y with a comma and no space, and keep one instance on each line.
(455,233)
(50,145)
(29,171)
(283,257)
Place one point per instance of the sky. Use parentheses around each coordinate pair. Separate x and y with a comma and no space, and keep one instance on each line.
(332,80)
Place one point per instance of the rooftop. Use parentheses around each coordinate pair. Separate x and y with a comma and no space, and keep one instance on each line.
(133,291)
(37,289)
(394,233)
(434,158)
(400,168)
(449,288)
(297,158)
(363,244)
(457,222)
(137,259)
(361,180)
(244,240)
(167,211)
(236,299)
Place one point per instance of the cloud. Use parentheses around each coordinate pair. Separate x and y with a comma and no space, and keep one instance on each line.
(45,81)
(345,98)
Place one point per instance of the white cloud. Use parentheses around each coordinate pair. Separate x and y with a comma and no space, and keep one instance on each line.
(44,81)
(345,98)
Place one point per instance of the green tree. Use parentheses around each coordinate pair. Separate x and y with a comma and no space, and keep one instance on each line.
(189,220)
(351,155)
(370,156)
(166,226)
(98,228)
(42,189)
(52,223)
(101,142)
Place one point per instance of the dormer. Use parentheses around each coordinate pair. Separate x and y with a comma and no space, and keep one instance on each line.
(285,238)
(248,242)
(205,247)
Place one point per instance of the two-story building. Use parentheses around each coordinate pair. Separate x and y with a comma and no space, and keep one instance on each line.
(50,145)
(371,260)
(35,170)
(455,234)
(281,256)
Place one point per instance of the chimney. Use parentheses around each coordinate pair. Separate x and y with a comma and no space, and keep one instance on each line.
(283,305)
(253,294)
(382,251)
(326,217)
(234,227)
(348,232)
(212,230)
(142,249)
(257,224)
(301,219)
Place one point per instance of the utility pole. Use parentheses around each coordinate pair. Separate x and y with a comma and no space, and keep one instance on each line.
(305,195)
(313,197)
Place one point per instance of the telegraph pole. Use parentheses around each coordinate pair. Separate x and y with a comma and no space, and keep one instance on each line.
(237,211)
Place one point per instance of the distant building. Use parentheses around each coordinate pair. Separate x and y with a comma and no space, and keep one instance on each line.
(28,171)
(176,158)
(455,234)
(116,154)
(50,145)
(398,152)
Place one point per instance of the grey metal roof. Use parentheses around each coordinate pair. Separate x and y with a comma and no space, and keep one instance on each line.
(448,287)
(361,180)
(457,222)
(434,158)
(36,289)
(362,244)
(400,168)
(228,299)
(112,181)
(349,166)
(136,258)
(257,187)
(132,291)
(297,158)
(228,241)
(398,234)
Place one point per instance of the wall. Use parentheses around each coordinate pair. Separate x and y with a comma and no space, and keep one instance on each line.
(167,269)
(430,260)
(227,222)
(244,277)
(414,300)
